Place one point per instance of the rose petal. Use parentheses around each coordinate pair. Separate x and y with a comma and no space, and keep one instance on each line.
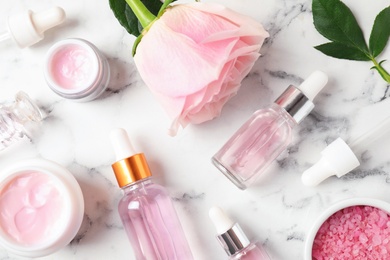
(193,65)
(203,52)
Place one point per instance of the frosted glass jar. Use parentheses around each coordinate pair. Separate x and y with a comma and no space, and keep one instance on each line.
(75,69)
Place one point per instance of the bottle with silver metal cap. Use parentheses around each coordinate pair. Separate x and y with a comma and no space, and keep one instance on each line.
(250,151)
(233,240)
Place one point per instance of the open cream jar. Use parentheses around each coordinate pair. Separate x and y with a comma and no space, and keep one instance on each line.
(41,208)
(351,229)
(75,69)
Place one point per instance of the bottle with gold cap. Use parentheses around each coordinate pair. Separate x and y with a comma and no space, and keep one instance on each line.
(146,210)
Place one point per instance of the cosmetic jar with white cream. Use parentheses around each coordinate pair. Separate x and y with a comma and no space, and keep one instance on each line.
(41,208)
(75,69)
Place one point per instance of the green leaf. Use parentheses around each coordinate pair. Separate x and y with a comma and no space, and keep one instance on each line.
(342,51)
(153,6)
(380,32)
(335,21)
(126,16)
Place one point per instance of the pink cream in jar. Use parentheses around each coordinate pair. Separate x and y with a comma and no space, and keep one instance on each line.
(41,208)
(31,208)
(75,69)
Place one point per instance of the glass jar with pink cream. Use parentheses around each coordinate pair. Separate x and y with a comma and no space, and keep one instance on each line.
(41,208)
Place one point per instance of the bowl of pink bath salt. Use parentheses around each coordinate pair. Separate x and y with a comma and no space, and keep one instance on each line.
(356,229)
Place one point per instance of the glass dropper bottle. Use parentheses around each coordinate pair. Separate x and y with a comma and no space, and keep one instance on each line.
(267,133)
(340,157)
(14,118)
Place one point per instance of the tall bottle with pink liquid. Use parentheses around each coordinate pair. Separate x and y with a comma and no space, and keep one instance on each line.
(146,210)
(249,152)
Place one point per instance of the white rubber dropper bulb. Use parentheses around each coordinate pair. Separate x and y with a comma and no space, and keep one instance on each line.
(47,19)
(313,84)
(221,221)
(121,143)
(27,28)
(339,158)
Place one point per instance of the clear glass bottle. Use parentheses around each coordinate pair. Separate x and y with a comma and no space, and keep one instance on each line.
(14,118)
(252,252)
(146,210)
(267,133)
(233,240)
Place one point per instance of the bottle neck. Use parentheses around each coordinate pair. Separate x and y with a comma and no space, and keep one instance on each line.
(295,103)
(23,109)
(137,185)
(233,240)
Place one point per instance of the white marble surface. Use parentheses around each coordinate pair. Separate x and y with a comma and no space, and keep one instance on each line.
(278,210)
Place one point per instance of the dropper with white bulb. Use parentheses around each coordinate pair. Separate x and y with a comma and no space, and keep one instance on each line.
(339,157)
(27,28)
(233,239)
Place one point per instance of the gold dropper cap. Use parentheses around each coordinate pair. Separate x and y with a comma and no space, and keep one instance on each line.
(131,169)
(129,166)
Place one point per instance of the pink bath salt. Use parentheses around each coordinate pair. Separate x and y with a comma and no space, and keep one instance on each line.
(358,232)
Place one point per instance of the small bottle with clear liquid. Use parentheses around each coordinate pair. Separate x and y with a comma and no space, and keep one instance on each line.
(267,133)
(146,210)
(15,118)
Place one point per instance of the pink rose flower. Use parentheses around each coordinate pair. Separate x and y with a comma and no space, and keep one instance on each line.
(194,57)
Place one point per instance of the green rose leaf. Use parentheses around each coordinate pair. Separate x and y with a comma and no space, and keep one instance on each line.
(124,15)
(335,21)
(127,17)
(342,51)
(380,32)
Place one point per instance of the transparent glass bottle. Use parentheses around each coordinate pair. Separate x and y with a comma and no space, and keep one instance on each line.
(251,252)
(146,210)
(15,117)
(254,146)
(267,133)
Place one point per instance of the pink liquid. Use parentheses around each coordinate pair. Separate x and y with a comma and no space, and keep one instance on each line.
(255,145)
(30,208)
(252,252)
(151,223)
(73,67)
